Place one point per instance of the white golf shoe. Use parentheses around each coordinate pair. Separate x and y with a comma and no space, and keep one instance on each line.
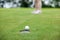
(36,12)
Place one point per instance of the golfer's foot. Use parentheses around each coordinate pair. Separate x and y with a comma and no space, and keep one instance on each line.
(36,12)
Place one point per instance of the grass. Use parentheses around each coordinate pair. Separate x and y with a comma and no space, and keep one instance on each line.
(45,26)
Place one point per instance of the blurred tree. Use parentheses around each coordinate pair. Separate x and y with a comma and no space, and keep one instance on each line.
(57,3)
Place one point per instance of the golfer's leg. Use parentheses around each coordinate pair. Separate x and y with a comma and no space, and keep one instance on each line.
(37,7)
(38,4)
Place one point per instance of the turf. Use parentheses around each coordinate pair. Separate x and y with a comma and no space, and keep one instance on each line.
(44,26)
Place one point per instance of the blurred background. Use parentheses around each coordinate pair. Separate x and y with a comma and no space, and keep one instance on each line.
(28,3)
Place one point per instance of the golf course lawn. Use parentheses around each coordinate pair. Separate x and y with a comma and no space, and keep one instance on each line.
(43,26)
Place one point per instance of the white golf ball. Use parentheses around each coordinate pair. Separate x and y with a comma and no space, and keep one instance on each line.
(27,27)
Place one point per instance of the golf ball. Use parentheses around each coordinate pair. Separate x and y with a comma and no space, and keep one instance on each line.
(27,27)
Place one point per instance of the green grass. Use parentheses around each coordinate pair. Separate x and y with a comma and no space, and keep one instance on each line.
(45,26)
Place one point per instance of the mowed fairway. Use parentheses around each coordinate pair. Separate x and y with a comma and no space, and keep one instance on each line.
(45,26)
